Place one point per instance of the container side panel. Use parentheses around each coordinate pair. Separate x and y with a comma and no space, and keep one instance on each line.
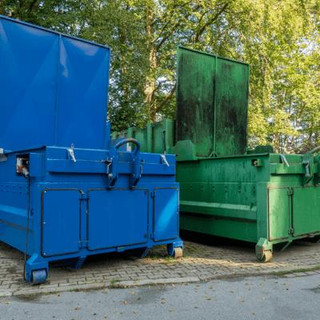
(228,228)
(195,100)
(219,197)
(28,64)
(13,212)
(60,222)
(231,107)
(117,218)
(141,136)
(82,99)
(166,214)
(158,141)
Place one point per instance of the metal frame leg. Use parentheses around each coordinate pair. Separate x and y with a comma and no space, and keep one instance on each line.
(36,269)
(264,250)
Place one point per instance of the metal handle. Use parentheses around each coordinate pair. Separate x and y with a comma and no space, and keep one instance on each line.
(307,161)
(128,140)
(112,164)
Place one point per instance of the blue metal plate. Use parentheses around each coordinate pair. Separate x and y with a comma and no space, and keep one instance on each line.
(53,88)
(117,218)
(60,222)
(166,214)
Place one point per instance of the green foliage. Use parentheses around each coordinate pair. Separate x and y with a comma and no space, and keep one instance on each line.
(279,39)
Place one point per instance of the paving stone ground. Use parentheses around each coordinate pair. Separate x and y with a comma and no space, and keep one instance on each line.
(200,263)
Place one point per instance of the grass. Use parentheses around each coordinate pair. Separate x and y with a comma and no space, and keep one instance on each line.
(113,283)
(298,270)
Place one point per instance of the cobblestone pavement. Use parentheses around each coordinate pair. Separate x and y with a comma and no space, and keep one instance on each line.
(200,263)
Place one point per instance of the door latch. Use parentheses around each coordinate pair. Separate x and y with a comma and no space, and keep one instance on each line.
(71,154)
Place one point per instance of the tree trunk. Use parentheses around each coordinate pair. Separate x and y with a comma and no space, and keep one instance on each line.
(150,85)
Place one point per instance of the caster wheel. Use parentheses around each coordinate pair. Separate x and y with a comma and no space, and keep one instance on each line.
(177,253)
(265,257)
(39,276)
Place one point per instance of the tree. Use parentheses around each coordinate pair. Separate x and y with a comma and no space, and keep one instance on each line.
(279,39)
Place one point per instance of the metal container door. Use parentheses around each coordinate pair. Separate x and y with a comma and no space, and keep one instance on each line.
(60,222)
(166,214)
(117,218)
(279,213)
(306,210)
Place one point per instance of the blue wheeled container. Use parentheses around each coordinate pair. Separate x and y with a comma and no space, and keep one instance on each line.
(66,190)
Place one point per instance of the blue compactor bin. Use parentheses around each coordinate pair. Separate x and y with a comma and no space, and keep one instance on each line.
(67,191)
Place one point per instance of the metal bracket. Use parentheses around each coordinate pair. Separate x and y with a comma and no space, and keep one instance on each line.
(290,191)
(136,175)
(287,244)
(3,157)
(112,170)
(71,154)
(112,164)
(257,162)
(84,196)
(284,160)
(306,162)
(164,160)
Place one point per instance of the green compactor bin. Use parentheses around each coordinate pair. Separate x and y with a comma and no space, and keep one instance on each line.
(260,197)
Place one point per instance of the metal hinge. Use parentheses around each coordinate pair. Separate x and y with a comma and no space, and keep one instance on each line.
(84,196)
(153,194)
(291,231)
(2,155)
(83,243)
(290,191)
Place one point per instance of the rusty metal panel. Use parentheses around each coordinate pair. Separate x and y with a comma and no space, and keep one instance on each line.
(195,99)
(212,103)
(231,107)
